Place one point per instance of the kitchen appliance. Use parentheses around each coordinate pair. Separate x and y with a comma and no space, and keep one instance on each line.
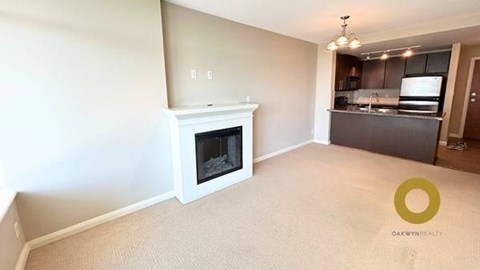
(353,83)
(421,94)
(341,102)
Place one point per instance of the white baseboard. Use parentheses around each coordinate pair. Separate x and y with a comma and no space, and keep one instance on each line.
(322,142)
(455,135)
(442,143)
(22,259)
(281,151)
(83,226)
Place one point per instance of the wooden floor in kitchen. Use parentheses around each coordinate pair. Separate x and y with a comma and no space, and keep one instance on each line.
(468,160)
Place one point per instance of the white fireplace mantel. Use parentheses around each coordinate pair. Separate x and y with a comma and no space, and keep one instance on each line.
(185,122)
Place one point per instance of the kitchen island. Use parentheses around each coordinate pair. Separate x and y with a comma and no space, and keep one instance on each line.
(406,135)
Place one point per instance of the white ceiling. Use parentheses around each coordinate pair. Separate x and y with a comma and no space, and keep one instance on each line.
(318,20)
(428,42)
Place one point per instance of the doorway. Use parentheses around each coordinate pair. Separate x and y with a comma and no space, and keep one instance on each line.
(457,156)
(472,118)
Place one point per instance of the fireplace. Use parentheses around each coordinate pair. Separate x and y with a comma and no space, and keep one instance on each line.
(211,148)
(218,152)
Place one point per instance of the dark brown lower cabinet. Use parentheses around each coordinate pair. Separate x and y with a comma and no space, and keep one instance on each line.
(405,137)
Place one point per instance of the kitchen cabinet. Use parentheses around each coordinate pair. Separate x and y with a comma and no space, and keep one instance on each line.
(432,63)
(416,64)
(438,62)
(346,66)
(373,74)
(402,136)
(394,72)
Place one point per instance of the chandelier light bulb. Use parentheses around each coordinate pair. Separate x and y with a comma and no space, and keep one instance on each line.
(332,46)
(342,40)
(355,43)
(384,56)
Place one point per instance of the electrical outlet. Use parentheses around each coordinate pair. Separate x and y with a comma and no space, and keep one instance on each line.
(210,74)
(16,228)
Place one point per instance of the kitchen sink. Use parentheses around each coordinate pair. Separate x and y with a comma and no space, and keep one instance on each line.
(376,110)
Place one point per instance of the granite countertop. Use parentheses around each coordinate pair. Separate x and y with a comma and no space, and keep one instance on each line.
(391,113)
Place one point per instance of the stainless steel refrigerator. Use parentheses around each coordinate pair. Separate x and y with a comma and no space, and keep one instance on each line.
(421,94)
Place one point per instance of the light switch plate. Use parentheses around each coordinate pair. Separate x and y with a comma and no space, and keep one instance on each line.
(210,74)
(194,73)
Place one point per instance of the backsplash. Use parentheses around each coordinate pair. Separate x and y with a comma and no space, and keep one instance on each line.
(362,96)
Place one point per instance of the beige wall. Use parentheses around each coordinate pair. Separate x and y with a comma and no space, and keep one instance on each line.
(325,94)
(82,91)
(276,71)
(10,246)
(466,54)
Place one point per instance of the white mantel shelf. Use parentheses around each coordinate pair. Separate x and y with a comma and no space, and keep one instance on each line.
(196,111)
(185,123)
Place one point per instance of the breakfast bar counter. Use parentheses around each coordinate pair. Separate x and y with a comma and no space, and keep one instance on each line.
(407,135)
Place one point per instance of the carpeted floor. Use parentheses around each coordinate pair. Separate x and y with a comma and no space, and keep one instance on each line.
(317,207)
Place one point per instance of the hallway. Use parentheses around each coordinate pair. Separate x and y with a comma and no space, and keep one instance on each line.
(468,160)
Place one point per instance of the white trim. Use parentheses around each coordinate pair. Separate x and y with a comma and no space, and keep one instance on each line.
(455,135)
(281,151)
(450,90)
(83,226)
(322,142)
(22,259)
(442,143)
(467,94)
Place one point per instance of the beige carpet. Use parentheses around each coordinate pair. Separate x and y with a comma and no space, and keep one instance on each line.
(318,207)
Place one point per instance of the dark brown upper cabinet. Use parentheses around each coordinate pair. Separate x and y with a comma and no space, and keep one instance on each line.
(438,62)
(373,74)
(416,64)
(346,66)
(394,72)
(432,63)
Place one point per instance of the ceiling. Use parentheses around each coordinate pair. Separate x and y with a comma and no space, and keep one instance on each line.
(428,42)
(319,20)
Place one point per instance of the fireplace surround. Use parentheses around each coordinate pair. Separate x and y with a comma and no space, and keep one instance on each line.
(211,148)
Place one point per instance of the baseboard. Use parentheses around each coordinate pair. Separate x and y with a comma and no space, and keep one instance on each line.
(442,143)
(281,151)
(322,142)
(22,259)
(455,135)
(83,226)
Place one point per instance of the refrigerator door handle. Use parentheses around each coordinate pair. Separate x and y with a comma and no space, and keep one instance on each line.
(418,102)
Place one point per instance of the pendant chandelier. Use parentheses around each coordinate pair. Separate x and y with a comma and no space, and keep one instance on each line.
(344,40)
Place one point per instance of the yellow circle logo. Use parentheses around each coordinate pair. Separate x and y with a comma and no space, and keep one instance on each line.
(401,194)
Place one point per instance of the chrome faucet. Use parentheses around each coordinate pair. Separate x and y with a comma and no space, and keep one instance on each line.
(370,103)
